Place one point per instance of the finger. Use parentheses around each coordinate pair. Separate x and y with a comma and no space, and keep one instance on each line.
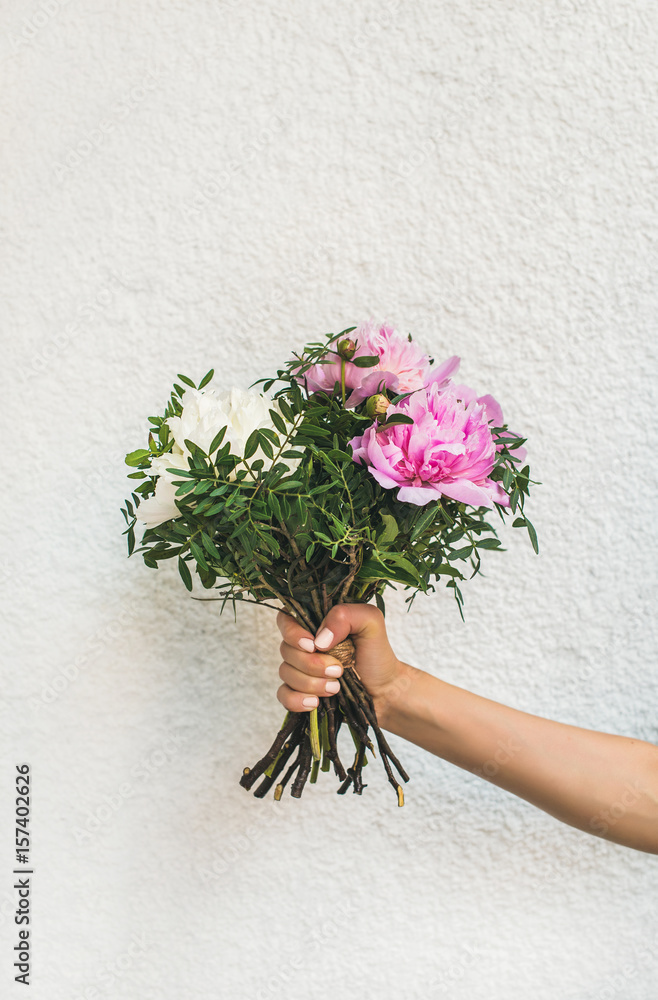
(294,633)
(298,681)
(313,664)
(296,701)
(361,621)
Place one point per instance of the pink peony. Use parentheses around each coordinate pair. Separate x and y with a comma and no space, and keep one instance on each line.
(448,451)
(402,365)
(495,418)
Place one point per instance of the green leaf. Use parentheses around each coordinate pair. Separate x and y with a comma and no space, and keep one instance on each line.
(270,544)
(240,530)
(206,378)
(374,569)
(399,560)
(278,421)
(299,511)
(425,521)
(209,546)
(367,361)
(184,571)
(390,531)
(336,455)
(273,503)
(197,552)
(533,536)
(285,409)
(214,509)
(186,380)
(168,553)
(252,444)
(319,433)
(488,543)
(185,473)
(396,418)
(217,440)
(290,484)
(445,570)
(137,457)
(265,445)
(461,553)
(270,435)
(185,488)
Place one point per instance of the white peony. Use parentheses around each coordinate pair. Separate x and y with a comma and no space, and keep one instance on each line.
(161,506)
(204,413)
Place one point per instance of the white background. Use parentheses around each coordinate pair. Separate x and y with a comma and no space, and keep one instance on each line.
(212,184)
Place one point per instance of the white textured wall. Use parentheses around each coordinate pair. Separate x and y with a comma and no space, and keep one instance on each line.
(197,184)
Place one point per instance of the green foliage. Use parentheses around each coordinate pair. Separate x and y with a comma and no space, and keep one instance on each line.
(323,532)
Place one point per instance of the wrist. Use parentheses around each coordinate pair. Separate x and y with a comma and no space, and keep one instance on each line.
(391,700)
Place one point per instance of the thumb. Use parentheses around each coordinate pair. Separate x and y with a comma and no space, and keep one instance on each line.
(363,622)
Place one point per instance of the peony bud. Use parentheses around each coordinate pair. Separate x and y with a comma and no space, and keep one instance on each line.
(377,405)
(346,349)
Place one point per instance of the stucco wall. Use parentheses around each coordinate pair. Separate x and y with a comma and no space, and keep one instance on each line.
(200,184)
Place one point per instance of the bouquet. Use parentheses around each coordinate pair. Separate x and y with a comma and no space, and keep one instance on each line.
(364,469)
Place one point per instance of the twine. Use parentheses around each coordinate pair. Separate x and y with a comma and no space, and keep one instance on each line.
(344,651)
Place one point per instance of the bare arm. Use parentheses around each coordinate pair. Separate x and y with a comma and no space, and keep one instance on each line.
(601,783)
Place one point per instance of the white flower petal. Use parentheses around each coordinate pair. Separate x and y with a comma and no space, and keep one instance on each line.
(160,507)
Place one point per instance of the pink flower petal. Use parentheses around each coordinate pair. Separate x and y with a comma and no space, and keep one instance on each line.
(419,495)
(498,494)
(444,371)
(464,491)
(386,481)
(371,385)
(493,410)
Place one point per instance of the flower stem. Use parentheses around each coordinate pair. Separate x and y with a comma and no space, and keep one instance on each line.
(314,733)
(342,379)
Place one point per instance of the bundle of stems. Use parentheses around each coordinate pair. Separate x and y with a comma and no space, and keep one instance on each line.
(309,741)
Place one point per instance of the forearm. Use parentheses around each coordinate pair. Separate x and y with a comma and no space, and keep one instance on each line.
(604,784)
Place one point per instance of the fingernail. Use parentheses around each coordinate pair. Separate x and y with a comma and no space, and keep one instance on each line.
(332,687)
(307,644)
(310,702)
(324,638)
(333,671)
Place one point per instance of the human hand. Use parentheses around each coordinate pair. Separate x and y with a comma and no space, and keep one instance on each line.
(309,673)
